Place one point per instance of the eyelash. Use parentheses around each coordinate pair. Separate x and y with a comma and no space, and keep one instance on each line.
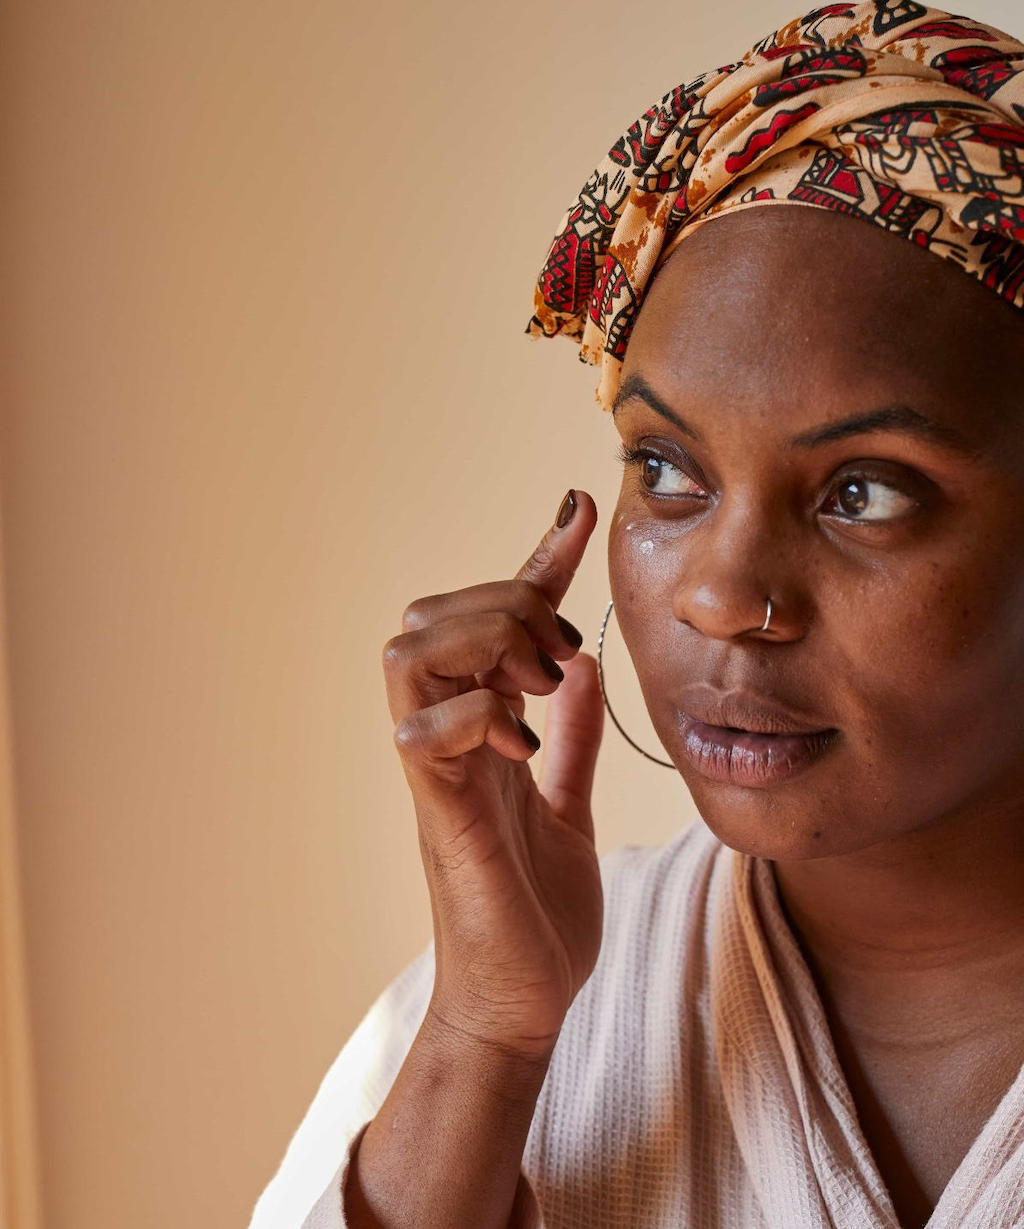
(634,456)
(629,456)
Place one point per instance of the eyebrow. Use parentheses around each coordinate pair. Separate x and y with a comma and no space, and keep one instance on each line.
(894,418)
(899,419)
(635,388)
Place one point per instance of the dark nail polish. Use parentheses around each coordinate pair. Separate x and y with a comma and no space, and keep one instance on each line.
(532,741)
(572,634)
(566,509)
(550,667)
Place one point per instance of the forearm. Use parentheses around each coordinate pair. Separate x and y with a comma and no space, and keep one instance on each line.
(445,1149)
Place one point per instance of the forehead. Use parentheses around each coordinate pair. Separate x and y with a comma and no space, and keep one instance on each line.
(805,313)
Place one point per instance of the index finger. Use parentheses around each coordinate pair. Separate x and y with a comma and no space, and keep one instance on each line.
(553,563)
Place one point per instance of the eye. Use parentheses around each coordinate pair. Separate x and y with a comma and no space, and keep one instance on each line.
(860,498)
(658,475)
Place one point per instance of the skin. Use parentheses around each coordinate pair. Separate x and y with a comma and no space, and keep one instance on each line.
(898,853)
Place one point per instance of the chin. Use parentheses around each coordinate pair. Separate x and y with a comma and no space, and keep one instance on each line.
(768,824)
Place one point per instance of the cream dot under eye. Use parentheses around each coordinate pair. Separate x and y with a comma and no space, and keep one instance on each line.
(646,547)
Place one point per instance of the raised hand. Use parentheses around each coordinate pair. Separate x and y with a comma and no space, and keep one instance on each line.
(510,861)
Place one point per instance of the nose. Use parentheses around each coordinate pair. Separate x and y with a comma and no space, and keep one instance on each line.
(734,564)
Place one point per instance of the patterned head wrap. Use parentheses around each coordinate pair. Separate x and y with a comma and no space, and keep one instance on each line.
(906,116)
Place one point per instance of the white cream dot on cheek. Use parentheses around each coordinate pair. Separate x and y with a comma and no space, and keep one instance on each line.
(646,547)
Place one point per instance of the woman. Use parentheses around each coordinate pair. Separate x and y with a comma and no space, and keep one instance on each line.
(805,1011)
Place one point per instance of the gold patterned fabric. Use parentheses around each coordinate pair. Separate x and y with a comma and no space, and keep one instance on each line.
(908,117)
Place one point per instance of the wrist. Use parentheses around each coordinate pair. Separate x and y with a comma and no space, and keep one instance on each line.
(446,1146)
(513,1071)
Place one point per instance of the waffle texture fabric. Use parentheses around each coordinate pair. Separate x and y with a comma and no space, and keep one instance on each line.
(694,1085)
(905,116)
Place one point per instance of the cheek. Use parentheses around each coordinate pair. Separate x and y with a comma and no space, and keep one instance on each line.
(644,567)
(932,660)
(640,570)
(643,558)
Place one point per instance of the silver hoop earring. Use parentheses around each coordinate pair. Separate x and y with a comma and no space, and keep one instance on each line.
(600,679)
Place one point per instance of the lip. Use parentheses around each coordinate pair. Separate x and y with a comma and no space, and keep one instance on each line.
(741,738)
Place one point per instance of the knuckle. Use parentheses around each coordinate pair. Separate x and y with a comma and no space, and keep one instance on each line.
(395,653)
(493,706)
(506,624)
(543,564)
(508,632)
(418,613)
(410,737)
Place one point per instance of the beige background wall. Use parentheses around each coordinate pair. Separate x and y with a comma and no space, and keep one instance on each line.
(266,269)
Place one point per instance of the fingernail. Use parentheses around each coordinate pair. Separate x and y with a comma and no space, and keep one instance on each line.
(566,509)
(572,634)
(532,741)
(550,667)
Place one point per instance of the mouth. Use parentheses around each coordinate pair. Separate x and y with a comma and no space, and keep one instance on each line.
(737,739)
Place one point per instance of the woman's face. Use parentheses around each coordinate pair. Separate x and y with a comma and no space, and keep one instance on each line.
(820,413)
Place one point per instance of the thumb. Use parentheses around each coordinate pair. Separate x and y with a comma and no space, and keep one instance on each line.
(572,736)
